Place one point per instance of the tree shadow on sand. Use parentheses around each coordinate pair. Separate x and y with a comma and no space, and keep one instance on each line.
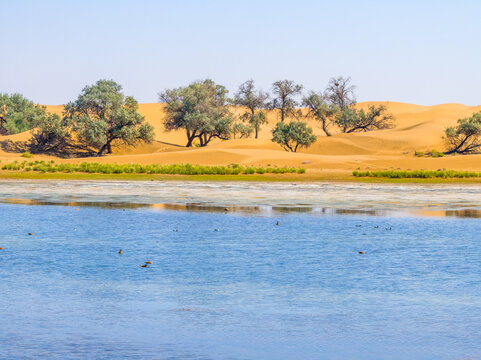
(21,147)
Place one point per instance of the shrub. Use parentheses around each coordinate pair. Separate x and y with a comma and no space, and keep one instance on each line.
(418,174)
(27,154)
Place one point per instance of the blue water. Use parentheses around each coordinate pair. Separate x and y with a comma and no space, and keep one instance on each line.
(251,290)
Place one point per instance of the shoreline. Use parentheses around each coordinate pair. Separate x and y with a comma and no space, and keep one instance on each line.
(334,177)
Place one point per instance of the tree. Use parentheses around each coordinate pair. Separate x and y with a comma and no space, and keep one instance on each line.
(465,138)
(293,136)
(244,131)
(254,101)
(320,110)
(51,134)
(200,109)
(285,92)
(352,120)
(340,92)
(18,114)
(102,114)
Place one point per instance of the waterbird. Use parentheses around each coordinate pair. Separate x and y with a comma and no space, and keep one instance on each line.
(149,262)
(361,252)
(30,233)
(277,223)
(226,209)
(358,225)
(1,248)
(216,230)
(144,265)
(120,251)
(376,227)
(389,228)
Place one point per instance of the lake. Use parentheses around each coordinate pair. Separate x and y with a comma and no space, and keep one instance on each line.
(239,271)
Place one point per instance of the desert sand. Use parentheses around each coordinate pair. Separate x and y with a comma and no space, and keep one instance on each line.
(417,128)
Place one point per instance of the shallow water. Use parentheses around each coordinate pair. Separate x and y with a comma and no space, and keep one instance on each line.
(251,289)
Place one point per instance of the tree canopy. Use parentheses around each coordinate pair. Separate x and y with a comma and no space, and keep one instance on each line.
(51,134)
(102,114)
(340,92)
(18,114)
(293,136)
(352,120)
(255,101)
(200,109)
(319,109)
(465,138)
(285,93)
(243,130)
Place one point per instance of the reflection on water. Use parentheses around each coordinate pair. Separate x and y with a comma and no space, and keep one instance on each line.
(253,198)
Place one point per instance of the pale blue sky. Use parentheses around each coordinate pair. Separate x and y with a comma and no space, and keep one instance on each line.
(424,52)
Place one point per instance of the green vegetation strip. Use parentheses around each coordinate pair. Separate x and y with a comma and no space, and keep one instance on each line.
(418,174)
(175,169)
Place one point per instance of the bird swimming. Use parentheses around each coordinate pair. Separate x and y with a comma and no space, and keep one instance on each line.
(148,262)
(144,265)
(120,251)
(361,252)
(277,223)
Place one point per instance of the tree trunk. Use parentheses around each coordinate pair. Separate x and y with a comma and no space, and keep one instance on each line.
(324,128)
(190,138)
(107,146)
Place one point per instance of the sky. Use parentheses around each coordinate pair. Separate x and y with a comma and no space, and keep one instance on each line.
(422,52)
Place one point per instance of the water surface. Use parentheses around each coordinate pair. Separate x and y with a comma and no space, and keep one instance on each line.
(233,284)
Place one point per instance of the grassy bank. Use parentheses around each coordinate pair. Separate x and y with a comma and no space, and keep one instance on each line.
(151,169)
(418,174)
(327,176)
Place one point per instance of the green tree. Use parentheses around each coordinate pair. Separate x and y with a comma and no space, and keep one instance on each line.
(293,136)
(51,134)
(465,138)
(102,114)
(352,120)
(320,110)
(199,108)
(244,131)
(254,101)
(18,114)
(285,92)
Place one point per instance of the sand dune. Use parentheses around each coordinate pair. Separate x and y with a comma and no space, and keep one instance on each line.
(417,128)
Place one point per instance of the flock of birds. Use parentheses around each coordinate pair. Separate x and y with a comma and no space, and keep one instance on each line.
(147,263)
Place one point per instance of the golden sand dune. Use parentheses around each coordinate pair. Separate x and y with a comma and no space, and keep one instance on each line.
(417,128)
